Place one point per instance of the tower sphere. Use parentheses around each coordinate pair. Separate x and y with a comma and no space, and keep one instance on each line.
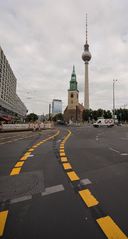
(86,56)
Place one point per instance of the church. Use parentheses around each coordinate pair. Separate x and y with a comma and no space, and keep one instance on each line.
(74,110)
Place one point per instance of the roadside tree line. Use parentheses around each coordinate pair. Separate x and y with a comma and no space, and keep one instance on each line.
(88,115)
(121,114)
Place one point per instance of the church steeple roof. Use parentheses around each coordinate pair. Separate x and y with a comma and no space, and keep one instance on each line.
(73,82)
(73,76)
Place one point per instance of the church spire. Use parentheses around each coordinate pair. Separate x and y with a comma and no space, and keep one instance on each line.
(73,76)
(73,82)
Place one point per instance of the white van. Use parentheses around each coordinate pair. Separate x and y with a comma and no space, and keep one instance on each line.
(104,122)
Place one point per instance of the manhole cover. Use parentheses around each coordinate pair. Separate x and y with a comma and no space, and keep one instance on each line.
(19,185)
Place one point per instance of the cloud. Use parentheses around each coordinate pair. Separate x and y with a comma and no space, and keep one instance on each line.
(43,39)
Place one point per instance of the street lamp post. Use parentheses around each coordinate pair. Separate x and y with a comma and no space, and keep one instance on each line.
(114,81)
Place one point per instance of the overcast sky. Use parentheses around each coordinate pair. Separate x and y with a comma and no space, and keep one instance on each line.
(42,39)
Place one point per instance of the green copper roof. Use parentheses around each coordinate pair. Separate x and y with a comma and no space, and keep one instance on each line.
(73,82)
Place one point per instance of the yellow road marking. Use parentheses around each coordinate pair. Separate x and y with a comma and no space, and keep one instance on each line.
(73,176)
(88,198)
(19,164)
(27,154)
(34,146)
(38,144)
(3,218)
(61,150)
(30,150)
(110,229)
(24,158)
(15,171)
(64,159)
(62,154)
(61,147)
(67,166)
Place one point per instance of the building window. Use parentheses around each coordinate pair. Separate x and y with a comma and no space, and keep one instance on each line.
(72,95)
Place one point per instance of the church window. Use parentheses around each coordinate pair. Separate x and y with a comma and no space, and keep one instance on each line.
(71,95)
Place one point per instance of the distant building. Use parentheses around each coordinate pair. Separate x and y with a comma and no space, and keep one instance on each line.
(56,106)
(74,110)
(11,105)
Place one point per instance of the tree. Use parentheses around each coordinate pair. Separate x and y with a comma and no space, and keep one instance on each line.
(87,115)
(31,117)
(122,114)
(58,116)
(100,113)
(107,114)
(94,115)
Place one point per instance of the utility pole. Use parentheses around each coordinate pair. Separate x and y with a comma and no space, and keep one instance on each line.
(49,111)
(114,81)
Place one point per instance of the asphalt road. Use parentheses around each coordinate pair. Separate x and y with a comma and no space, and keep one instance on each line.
(64,183)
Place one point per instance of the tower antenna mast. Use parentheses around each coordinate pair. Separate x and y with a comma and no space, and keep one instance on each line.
(86,28)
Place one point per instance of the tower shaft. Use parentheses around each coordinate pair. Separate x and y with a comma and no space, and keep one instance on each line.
(86,88)
(86,56)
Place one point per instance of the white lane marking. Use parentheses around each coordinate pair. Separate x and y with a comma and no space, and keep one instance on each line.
(85,181)
(53,189)
(115,150)
(49,190)
(21,199)
(97,138)
(124,138)
(31,155)
(124,154)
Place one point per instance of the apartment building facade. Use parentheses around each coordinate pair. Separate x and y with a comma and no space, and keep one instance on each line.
(11,105)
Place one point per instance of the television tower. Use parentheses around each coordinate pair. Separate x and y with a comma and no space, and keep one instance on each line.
(86,56)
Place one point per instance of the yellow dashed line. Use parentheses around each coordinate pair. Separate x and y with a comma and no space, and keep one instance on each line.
(61,150)
(38,144)
(27,154)
(19,164)
(62,145)
(15,171)
(24,158)
(88,198)
(64,159)
(3,218)
(110,229)
(30,150)
(62,154)
(73,176)
(67,166)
